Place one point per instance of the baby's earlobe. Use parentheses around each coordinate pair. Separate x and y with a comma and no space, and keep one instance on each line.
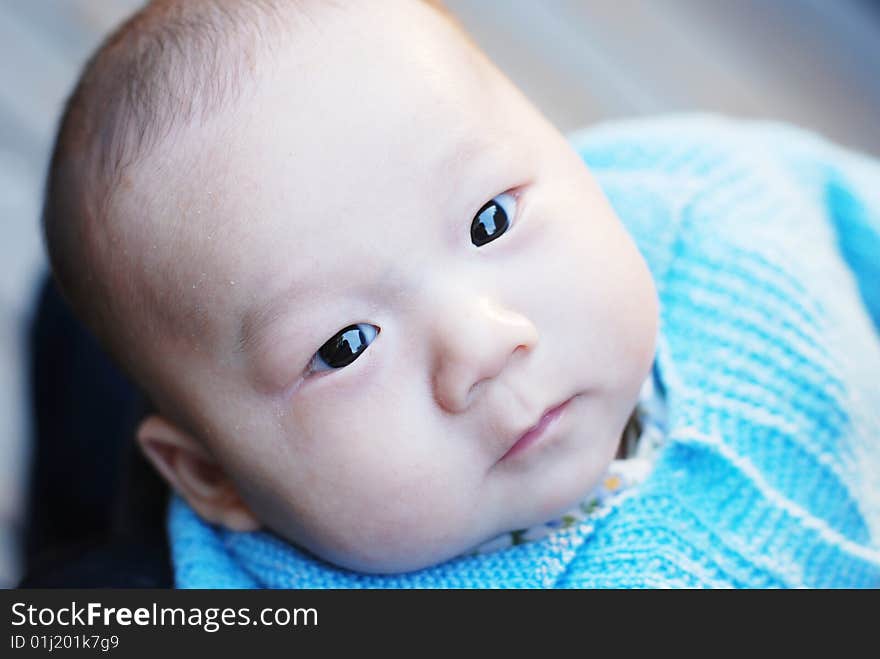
(194,474)
(237,516)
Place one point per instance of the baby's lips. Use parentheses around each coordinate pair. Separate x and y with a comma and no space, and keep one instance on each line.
(519,440)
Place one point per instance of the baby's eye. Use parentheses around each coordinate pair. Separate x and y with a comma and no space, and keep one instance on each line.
(345,346)
(493,219)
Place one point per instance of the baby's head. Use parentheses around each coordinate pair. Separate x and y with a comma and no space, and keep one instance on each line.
(351,265)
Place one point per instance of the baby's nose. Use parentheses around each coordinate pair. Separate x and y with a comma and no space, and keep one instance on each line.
(475,341)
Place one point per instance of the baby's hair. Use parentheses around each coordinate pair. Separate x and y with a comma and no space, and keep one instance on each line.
(173,64)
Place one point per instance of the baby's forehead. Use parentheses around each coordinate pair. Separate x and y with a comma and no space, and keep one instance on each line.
(323,139)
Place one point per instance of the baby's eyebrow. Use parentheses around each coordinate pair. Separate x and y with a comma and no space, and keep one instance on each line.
(463,150)
(255,321)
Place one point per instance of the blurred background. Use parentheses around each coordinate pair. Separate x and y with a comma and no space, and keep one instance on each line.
(815,63)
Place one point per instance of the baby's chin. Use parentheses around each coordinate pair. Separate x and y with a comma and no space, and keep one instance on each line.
(394,549)
(399,551)
(376,558)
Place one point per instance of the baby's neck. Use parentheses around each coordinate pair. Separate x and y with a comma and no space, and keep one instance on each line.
(630,436)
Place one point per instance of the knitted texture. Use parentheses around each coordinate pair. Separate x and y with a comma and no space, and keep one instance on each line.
(764,243)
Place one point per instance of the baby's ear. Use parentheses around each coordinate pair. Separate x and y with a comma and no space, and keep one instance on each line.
(194,474)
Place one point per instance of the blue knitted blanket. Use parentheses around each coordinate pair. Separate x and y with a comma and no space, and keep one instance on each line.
(764,242)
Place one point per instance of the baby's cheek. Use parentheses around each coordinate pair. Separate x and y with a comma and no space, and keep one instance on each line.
(639,309)
(625,304)
(395,516)
(374,483)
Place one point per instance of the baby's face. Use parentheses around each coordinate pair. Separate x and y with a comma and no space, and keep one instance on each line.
(404,266)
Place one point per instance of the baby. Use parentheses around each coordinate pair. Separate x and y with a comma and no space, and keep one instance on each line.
(384,310)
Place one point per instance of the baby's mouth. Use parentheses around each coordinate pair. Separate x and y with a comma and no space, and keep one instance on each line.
(543,427)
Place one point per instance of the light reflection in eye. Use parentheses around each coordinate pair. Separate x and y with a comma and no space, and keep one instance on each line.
(493,219)
(344,347)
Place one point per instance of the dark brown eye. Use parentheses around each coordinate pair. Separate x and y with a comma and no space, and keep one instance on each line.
(346,345)
(493,219)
